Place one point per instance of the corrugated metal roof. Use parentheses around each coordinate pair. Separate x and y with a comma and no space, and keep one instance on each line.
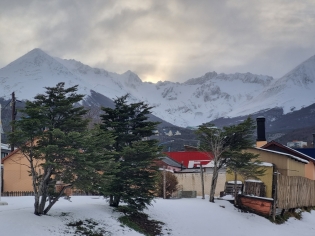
(185,157)
(170,162)
(307,151)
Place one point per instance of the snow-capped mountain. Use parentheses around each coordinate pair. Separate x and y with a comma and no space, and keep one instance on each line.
(191,103)
(291,92)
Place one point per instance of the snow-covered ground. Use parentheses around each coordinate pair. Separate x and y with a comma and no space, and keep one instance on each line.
(182,217)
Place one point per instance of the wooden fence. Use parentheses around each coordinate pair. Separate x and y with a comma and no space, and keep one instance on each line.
(31,193)
(17,194)
(255,188)
(229,188)
(295,192)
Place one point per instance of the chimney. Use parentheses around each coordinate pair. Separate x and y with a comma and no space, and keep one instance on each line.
(313,140)
(261,134)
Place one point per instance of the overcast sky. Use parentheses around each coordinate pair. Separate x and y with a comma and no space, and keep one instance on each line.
(163,39)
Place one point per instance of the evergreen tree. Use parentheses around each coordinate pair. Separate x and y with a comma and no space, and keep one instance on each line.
(227,145)
(240,162)
(95,164)
(54,139)
(135,178)
(246,165)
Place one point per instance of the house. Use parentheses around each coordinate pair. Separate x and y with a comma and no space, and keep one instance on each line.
(191,159)
(282,163)
(276,158)
(16,176)
(5,150)
(297,144)
(309,166)
(190,178)
(289,185)
(286,164)
(169,164)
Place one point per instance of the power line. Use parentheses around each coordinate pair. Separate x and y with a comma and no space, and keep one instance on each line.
(6,105)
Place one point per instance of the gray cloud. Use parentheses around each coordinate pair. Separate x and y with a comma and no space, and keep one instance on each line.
(163,40)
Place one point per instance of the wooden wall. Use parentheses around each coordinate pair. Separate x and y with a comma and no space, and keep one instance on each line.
(285,165)
(295,192)
(266,179)
(192,182)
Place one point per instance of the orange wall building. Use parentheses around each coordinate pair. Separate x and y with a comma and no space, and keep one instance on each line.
(16,176)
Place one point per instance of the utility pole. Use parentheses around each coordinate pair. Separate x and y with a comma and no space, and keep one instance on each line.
(275,196)
(1,203)
(202,182)
(164,183)
(13,101)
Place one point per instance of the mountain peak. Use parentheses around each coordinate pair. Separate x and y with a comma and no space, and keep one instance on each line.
(201,80)
(303,74)
(36,50)
(131,78)
(35,53)
(35,57)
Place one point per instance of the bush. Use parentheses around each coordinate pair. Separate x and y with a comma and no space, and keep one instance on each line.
(171,184)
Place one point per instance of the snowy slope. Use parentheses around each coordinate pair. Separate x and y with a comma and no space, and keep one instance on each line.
(30,73)
(182,217)
(191,103)
(291,92)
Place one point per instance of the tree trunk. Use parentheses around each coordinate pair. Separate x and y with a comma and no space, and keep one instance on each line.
(43,198)
(40,199)
(40,187)
(55,199)
(111,200)
(114,200)
(36,205)
(35,188)
(235,188)
(214,182)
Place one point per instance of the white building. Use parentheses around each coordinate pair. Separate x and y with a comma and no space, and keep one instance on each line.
(5,150)
(297,144)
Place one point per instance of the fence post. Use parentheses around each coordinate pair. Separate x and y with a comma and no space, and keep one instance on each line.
(164,183)
(275,197)
(202,182)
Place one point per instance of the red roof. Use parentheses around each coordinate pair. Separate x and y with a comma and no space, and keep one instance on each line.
(191,156)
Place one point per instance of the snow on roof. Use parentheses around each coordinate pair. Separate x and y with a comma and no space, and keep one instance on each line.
(162,169)
(210,164)
(253,180)
(5,146)
(265,164)
(266,198)
(232,182)
(284,154)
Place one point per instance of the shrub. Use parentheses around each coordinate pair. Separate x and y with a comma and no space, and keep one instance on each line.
(171,184)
